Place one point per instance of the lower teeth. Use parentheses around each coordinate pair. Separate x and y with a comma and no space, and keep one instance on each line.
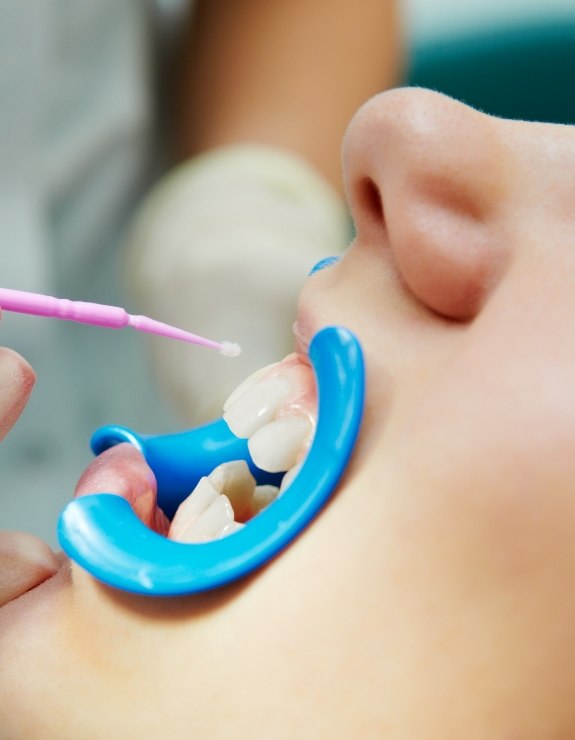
(220,504)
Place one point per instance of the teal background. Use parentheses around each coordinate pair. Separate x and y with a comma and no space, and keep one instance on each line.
(522,72)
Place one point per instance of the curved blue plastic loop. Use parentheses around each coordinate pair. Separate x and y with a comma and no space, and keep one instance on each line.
(102,533)
(180,460)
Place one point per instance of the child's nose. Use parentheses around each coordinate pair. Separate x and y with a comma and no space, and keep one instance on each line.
(425,178)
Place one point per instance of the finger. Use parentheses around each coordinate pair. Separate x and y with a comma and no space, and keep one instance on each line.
(25,562)
(123,470)
(16,382)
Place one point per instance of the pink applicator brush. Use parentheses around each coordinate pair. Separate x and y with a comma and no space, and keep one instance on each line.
(97,314)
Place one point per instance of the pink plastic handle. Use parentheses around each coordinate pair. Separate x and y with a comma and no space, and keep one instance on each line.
(62,308)
(97,314)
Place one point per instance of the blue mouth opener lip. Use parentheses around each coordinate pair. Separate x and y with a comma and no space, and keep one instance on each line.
(103,534)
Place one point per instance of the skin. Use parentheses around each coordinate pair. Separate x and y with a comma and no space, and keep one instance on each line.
(434,596)
(240,71)
(25,561)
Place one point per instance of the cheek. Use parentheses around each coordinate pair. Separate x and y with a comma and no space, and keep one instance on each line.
(448,260)
(490,479)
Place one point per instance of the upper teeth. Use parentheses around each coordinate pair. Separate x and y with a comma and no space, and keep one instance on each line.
(275,409)
(277,446)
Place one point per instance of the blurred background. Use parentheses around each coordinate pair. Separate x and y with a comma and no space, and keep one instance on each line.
(513,58)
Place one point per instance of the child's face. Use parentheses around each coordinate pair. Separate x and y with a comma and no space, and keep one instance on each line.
(434,596)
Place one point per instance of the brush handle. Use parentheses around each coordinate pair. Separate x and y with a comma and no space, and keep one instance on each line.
(43,305)
(111,317)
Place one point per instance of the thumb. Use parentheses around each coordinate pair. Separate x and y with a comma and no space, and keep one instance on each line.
(16,382)
(25,562)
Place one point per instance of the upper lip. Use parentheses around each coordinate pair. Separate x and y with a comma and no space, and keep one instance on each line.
(301,342)
(303,331)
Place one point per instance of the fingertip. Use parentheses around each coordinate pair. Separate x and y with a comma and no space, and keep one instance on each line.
(17,379)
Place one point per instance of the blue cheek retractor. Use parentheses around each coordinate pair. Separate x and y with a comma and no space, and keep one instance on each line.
(102,533)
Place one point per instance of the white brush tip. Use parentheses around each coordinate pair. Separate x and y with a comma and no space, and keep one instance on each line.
(230,349)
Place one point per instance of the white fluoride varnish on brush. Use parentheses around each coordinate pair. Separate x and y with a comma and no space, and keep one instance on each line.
(96,314)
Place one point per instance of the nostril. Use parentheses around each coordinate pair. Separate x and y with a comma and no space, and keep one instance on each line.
(370,200)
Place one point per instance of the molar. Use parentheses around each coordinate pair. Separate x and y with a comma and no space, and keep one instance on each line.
(263,496)
(234,480)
